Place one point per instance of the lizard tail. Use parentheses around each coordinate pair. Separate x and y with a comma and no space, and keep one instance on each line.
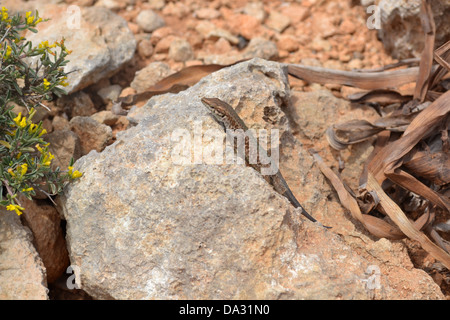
(288,194)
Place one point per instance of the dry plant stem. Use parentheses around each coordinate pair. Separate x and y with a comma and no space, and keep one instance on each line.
(426,61)
(374,225)
(400,219)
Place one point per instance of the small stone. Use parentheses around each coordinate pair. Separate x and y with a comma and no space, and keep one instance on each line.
(347,27)
(113,5)
(246,25)
(106,117)
(355,64)
(150,75)
(312,62)
(163,45)
(93,135)
(134,27)
(149,21)
(297,13)
(127,91)
(77,104)
(177,9)
(210,31)
(288,43)
(207,13)
(256,10)
(205,27)
(261,48)
(159,34)
(64,144)
(277,21)
(60,123)
(319,44)
(221,33)
(222,45)
(145,48)
(156,4)
(181,50)
(110,93)
(344,57)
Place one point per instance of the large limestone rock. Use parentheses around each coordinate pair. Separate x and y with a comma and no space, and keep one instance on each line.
(143,225)
(100,40)
(401,31)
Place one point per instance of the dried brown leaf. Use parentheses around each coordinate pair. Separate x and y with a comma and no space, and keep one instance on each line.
(426,61)
(400,219)
(363,80)
(174,83)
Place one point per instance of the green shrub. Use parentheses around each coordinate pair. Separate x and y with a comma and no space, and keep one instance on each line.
(28,76)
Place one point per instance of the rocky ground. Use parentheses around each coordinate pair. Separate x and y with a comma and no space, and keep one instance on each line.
(124,47)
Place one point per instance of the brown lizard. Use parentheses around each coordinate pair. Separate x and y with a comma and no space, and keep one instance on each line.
(229,119)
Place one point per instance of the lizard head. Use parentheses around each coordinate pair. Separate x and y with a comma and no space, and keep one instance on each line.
(216,107)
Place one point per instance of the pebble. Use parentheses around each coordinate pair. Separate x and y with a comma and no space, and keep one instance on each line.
(277,21)
(149,21)
(110,93)
(113,5)
(150,75)
(93,135)
(163,45)
(176,9)
(246,25)
(160,33)
(181,50)
(106,117)
(256,10)
(156,4)
(60,123)
(145,48)
(207,13)
(261,48)
(209,31)
(288,43)
(77,104)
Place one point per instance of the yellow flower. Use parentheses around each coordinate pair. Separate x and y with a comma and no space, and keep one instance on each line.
(24,168)
(11,172)
(16,208)
(23,122)
(39,148)
(27,189)
(45,45)
(5,15)
(46,84)
(17,119)
(75,174)
(47,160)
(8,52)
(32,128)
(42,132)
